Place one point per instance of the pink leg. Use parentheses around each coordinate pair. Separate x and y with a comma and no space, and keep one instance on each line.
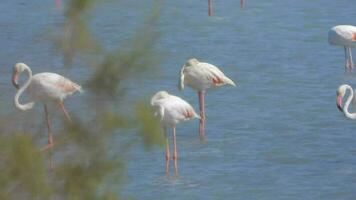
(61,105)
(242,2)
(58,4)
(167,153)
(346,59)
(175,154)
(351,62)
(50,137)
(210,7)
(202,114)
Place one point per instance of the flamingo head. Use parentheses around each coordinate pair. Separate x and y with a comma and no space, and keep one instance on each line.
(340,93)
(18,69)
(159,95)
(191,62)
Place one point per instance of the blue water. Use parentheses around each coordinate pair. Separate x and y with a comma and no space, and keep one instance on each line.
(277,135)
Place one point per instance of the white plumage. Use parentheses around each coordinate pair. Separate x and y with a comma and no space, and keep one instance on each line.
(171,111)
(344,35)
(201,76)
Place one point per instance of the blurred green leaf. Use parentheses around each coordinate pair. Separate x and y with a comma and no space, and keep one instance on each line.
(149,127)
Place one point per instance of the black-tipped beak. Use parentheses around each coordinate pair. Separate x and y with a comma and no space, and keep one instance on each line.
(339,102)
(15,77)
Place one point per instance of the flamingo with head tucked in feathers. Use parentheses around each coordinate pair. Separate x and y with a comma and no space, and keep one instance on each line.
(44,88)
(344,35)
(201,76)
(171,111)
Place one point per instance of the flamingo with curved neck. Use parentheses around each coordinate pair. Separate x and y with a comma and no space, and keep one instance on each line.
(340,94)
(43,87)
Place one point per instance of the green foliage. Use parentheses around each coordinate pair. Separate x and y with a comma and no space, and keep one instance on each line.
(150,129)
(22,169)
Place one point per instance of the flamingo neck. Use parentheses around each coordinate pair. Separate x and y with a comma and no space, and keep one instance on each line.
(347,103)
(29,105)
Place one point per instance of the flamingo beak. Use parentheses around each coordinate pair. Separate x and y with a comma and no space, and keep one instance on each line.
(339,102)
(15,78)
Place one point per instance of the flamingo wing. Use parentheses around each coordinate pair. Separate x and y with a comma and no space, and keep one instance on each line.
(215,75)
(57,83)
(182,108)
(344,35)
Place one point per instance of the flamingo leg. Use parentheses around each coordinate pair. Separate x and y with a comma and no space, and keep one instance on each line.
(61,105)
(175,154)
(346,59)
(242,2)
(167,152)
(50,137)
(351,62)
(210,7)
(201,95)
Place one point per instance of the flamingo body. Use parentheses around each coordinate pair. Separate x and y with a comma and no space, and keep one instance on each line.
(201,76)
(343,35)
(171,109)
(46,87)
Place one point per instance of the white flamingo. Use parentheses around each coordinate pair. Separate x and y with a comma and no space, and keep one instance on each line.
(171,110)
(340,95)
(43,87)
(201,76)
(344,35)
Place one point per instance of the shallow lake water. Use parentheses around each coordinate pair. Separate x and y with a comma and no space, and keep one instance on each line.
(277,135)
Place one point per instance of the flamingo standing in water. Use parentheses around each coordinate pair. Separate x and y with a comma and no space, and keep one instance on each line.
(340,95)
(171,110)
(344,35)
(201,76)
(43,87)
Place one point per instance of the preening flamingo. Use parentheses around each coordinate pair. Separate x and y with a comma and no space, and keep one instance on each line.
(171,111)
(201,76)
(340,95)
(344,35)
(43,87)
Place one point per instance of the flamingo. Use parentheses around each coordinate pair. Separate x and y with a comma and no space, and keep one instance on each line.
(201,76)
(340,95)
(43,87)
(344,35)
(171,111)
